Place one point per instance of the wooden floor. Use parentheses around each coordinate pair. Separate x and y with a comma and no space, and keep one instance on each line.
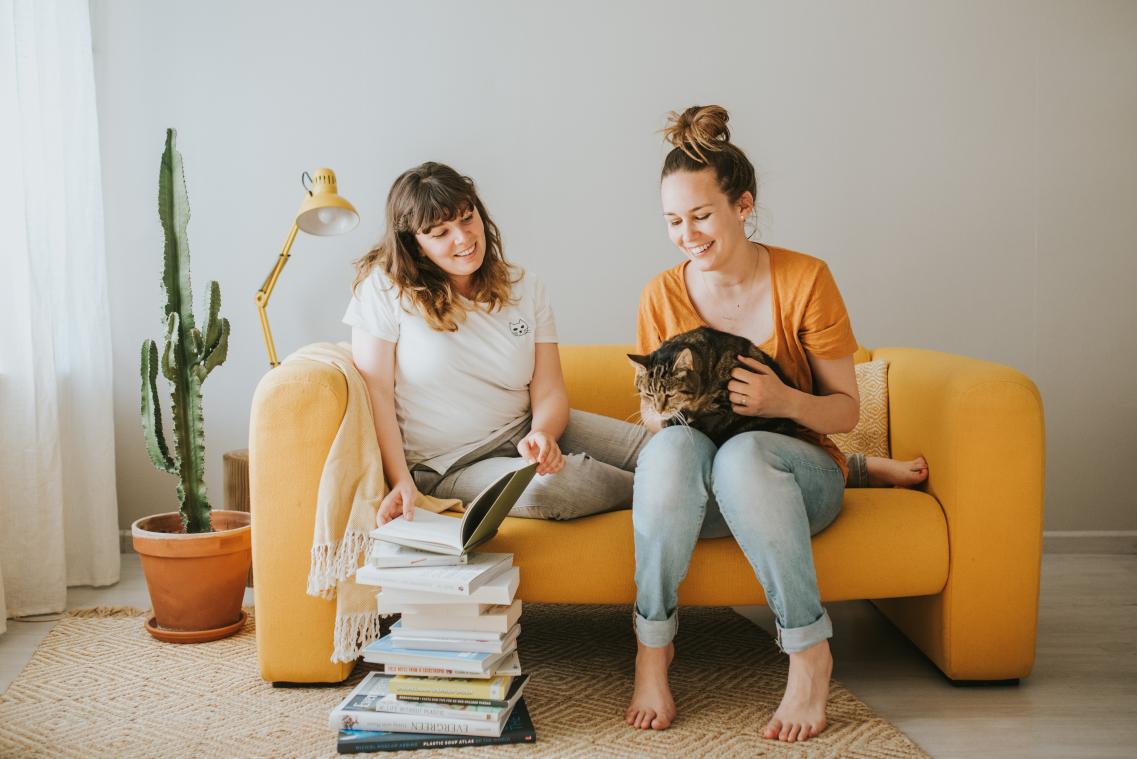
(1081,700)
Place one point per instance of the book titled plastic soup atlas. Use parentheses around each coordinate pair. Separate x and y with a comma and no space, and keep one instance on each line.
(428,531)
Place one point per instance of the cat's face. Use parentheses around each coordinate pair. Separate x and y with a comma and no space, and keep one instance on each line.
(668,386)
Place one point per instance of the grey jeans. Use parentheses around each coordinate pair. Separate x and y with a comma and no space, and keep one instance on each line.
(600,460)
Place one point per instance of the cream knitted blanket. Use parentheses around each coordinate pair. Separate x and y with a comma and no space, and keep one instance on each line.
(347,501)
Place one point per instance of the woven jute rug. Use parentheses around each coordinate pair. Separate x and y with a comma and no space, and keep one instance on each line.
(100,686)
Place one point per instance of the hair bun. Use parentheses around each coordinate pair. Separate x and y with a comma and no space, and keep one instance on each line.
(697,128)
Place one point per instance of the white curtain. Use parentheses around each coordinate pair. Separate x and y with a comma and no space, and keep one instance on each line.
(58,507)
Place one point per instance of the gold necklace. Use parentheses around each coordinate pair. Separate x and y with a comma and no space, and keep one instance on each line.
(741,307)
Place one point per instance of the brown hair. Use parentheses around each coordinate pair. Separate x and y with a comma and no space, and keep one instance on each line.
(419,199)
(702,141)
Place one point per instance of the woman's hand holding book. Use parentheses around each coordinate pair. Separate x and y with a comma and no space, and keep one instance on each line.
(401,500)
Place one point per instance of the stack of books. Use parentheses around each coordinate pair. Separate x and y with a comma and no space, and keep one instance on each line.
(451,673)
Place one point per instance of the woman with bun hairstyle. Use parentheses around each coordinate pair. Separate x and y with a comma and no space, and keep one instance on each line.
(459,352)
(771,492)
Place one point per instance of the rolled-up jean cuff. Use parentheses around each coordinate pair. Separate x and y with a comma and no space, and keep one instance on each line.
(858,471)
(797,639)
(655,634)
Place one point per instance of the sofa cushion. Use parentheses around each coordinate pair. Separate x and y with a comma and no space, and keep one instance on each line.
(886,542)
(870,436)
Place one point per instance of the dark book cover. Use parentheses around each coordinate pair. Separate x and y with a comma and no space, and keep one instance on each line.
(519,729)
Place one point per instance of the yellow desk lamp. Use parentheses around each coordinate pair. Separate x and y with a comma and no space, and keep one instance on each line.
(323,213)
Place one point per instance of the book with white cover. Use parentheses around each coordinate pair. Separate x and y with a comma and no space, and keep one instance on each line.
(498,590)
(411,723)
(510,665)
(463,579)
(400,631)
(384,651)
(373,694)
(384,555)
(495,619)
(459,609)
(493,644)
(428,531)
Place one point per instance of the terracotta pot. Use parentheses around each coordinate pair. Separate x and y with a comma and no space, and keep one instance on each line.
(196,582)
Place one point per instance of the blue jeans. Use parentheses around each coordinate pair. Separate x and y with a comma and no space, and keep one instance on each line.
(770,491)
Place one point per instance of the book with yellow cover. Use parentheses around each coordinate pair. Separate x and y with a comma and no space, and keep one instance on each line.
(493,688)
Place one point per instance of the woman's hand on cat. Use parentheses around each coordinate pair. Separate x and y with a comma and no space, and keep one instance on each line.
(401,500)
(757,391)
(542,448)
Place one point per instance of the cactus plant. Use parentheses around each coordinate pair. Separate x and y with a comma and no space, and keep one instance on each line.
(188,357)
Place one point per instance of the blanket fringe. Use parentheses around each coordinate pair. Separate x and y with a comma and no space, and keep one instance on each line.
(332,562)
(352,633)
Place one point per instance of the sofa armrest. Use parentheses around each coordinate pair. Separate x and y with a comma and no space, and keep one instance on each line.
(296,412)
(980,426)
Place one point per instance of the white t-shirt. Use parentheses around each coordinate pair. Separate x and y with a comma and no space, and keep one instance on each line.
(455,391)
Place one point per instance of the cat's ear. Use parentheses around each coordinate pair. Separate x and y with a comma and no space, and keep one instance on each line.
(685,361)
(640,362)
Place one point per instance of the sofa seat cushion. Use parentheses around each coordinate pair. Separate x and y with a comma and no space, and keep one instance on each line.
(887,542)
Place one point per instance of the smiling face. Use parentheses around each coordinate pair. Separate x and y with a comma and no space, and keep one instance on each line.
(701,220)
(457,246)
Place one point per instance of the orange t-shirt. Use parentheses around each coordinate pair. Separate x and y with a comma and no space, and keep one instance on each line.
(809,318)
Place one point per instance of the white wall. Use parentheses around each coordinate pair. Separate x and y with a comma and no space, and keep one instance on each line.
(968,169)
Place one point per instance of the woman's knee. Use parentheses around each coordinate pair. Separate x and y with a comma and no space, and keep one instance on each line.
(751,449)
(672,479)
(678,446)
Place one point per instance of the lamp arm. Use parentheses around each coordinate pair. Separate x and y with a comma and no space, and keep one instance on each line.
(266,291)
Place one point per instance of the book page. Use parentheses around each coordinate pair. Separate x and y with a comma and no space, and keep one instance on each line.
(426,527)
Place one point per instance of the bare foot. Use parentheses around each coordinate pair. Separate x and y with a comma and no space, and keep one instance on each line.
(905,474)
(801,715)
(652,705)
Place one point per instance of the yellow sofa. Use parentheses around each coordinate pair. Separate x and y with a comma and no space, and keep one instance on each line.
(955,568)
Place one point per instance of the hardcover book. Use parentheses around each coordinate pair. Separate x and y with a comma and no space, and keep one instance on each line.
(510,665)
(497,590)
(488,642)
(384,651)
(420,691)
(495,619)
(384,555)
(359,711)
(518,729)
(428,531)
(463,579)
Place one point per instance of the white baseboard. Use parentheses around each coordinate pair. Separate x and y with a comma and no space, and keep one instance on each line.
(1090,541)
(125,542)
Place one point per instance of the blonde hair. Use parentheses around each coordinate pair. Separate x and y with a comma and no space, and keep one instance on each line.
(701,140)
(419,199)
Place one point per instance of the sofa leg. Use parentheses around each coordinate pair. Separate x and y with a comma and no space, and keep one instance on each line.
(283,684)
(981,683)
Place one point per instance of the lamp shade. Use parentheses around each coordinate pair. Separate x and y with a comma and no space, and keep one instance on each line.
(323,211)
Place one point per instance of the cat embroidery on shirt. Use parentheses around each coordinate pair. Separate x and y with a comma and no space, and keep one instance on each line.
(519,327)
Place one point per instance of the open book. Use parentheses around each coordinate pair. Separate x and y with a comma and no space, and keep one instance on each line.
(441,534)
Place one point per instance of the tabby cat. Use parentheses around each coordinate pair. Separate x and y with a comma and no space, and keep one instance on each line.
(684,380)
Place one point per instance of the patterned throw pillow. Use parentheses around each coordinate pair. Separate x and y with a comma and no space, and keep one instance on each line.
(870,436)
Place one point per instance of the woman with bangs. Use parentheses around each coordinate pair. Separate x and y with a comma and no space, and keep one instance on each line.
(458,348)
